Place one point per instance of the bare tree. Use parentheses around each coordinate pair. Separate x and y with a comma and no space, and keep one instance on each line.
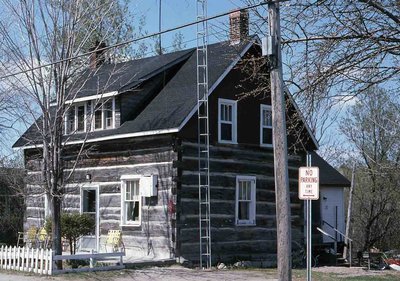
(40,39)
(334,50)
(371,127)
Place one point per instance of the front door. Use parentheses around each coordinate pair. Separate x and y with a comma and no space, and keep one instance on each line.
(90,206)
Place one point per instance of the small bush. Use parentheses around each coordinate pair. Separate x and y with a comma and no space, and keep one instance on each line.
(73,226)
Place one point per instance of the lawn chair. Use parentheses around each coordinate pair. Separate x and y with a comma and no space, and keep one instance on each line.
(43,238)
(114,239)
(31,237)
(21,239)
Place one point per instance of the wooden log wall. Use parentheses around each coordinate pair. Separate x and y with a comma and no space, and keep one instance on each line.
(106,163)
(230,242)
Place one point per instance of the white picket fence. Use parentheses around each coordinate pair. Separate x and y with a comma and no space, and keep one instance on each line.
(42,261)
(26,259)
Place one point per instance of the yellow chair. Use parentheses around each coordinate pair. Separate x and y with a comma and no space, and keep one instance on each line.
(114,239)
(43,238)
(30,237)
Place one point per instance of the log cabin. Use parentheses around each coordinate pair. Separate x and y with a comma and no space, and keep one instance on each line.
(139,174)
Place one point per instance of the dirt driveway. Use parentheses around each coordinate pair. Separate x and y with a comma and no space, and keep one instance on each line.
(177,273)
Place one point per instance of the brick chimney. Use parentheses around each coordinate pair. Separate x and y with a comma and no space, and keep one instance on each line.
(238,26)
(97,58)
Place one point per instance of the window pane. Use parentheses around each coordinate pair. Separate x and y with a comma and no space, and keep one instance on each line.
(132,211)
(108,113)
(132,190)
(244,210)
(267,135)
(81,118)
(136,188)
(89,201)
(226,112)
(244,190)
(222,112)
(248,190)
(97,119)
(267,118)
(226,132)
(71,120)
(128,191)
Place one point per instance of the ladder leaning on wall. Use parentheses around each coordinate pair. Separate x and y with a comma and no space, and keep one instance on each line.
(203,136)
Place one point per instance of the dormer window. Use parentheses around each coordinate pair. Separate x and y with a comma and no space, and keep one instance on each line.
(75,119)
(78,116)
(104,115)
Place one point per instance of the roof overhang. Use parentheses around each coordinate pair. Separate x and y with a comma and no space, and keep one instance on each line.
(92,97)
(106,138)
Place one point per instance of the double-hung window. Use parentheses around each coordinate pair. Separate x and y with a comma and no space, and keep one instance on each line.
(227,121)
(131,201)
(104,115)
(75,119)
(266,125)
(245,200)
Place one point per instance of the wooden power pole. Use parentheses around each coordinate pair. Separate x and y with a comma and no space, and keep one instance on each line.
(282,193)
(349,206)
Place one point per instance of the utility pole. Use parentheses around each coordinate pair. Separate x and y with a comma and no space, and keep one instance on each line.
(282,193)
(349,212)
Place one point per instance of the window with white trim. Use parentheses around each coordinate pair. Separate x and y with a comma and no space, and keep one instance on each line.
(227,121)
(265,125)
(75,119)
(245,200)
(104,115)
(131,201)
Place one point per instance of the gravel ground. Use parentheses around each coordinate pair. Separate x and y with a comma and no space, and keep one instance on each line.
(354,271)
(179,273)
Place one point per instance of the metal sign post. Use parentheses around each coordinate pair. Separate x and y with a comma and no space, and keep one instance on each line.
(308,191)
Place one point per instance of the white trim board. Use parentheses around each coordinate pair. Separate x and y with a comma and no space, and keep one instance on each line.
(88,98)
(113,137)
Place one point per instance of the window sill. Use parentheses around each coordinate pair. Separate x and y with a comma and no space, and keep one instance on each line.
(131,225)
(266,145)
(245,224)
(227,142)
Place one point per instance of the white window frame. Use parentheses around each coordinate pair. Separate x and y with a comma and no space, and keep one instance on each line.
(103,115)
(84,117)
(74,109)
(124,179)
(252,212)
(46,207)
(232,103)
(262,126)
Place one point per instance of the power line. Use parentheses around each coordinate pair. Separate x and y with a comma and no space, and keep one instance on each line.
(138,39)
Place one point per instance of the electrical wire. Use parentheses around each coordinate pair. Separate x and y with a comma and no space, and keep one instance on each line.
(136,39)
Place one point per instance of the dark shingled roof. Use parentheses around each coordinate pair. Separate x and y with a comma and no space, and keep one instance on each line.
(328,176)
(122,76)
(172,104)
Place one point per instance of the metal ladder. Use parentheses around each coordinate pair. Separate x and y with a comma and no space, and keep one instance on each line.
(203,137)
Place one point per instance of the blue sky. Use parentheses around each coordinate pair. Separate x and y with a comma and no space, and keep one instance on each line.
(178,12)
